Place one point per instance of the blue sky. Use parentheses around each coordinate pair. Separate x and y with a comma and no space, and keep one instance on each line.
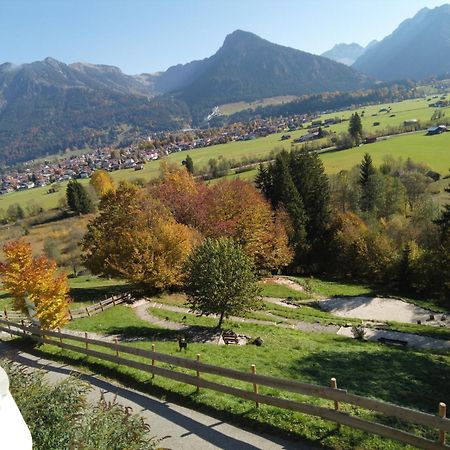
(151,35)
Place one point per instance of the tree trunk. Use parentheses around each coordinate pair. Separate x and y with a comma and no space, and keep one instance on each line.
(221,319)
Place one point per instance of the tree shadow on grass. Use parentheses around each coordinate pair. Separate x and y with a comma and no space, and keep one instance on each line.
(419,381)
(89,294)
(190,400)
(191,333)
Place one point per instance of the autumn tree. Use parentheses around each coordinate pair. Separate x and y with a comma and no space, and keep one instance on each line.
(33,283)
(101,182)
(135,237)
(220,279)
(78,198)
(230,208)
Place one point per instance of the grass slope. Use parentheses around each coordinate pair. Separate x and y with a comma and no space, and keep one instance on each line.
(369,369)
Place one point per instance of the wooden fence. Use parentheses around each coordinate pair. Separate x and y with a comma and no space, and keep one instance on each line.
(337,396)
(79,313)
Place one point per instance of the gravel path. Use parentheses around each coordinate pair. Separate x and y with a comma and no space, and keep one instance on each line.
(413,340)
(186,429)
(379,308)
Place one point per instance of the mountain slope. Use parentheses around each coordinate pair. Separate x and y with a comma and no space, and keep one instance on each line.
(248,67)
(418,48)
(344,53)
(47,106)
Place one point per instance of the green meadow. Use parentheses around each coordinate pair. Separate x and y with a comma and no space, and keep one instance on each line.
(432,150)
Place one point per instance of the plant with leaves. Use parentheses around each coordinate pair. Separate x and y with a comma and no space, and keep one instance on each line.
(78,198)
(355,128)
(368,187)
(101,182)
(35,286)
(136,237)
(220,279)
(60,416)
(189,164)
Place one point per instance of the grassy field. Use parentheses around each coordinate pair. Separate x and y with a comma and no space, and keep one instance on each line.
(433,150)
(231,108)
(369,369)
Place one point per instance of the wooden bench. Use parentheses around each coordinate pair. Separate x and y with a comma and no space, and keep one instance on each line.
(389,341)
(230,337)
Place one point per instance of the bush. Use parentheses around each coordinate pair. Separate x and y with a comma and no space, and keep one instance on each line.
(59,415)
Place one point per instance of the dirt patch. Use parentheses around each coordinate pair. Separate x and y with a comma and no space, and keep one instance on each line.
(379,308)
(285,282)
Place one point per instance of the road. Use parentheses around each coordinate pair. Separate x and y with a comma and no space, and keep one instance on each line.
(186,429)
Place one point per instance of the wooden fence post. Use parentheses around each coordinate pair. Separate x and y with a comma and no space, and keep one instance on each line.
(60,337)
(255,386)
(333,383)
(101,305)
(87,311)
(70,314)
(113,302)
(9,325)
(198,372)
(442,413)
(117,349)
(86,339)
(23,331)
(153,361)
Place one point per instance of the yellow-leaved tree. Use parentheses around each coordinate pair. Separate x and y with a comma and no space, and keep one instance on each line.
(136,237)
(35,286)
(102,182)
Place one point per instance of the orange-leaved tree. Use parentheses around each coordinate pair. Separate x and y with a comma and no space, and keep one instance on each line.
(136,237)
(102,182)
(34,285)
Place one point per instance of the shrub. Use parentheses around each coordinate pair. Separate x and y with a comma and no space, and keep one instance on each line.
(59,415)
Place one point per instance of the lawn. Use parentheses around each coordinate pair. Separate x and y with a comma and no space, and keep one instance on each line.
(84,290)
(369,369)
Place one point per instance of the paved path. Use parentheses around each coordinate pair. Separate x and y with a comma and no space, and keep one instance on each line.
(187,429)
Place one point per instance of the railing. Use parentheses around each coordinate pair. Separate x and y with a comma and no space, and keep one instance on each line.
(337,396)
(79,313)
(96,308)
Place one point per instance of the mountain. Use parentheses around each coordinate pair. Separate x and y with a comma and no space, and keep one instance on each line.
(47,106)
(248,68)
(344,53)
(417,49)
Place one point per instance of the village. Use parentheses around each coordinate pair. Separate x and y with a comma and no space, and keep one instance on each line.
(34,174)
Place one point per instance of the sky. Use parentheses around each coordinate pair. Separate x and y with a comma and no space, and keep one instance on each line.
(151,35)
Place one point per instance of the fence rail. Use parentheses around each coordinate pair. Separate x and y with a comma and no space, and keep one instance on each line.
(334,394)
(78,313)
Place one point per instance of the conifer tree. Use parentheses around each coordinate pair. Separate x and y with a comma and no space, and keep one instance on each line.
(78,198)
(189,163)
(355,128)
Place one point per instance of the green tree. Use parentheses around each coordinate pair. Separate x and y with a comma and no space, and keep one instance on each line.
(220,279)
(15,212)
(60,415)
(189,163)
(78,198)
(355,128)
(368,185)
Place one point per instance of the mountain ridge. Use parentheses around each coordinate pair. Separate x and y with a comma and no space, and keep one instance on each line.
(418,48)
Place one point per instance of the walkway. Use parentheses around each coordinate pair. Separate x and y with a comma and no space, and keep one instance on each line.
(186,429)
